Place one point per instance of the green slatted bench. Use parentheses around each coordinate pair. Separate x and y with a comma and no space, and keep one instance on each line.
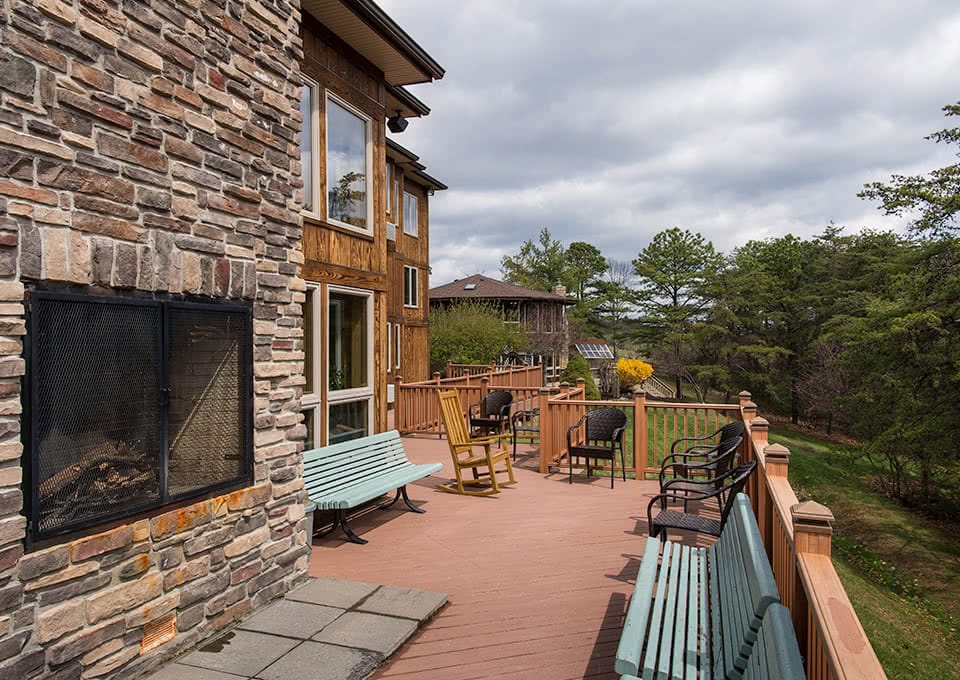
(709,612)
(346,475)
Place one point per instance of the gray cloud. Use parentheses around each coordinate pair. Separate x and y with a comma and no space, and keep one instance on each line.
(609,122)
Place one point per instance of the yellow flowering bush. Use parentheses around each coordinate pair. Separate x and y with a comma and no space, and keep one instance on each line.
(632,372)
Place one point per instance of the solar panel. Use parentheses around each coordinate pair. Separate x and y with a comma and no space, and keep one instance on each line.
(470,286)
(594,351)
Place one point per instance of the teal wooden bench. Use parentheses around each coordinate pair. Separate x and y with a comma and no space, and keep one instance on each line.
(709,612)
(349,474)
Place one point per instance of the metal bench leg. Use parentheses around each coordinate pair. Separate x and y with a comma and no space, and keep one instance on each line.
(352,537)
(406,499)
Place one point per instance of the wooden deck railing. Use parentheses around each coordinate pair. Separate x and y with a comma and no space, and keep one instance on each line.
(797,536)
(416,410)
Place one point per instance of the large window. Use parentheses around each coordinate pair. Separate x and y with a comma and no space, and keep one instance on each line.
(409,214)
(309,160)
(349,364)
(411,294)
(348,163)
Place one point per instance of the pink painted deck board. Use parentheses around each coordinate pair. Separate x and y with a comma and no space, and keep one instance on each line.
(538,577)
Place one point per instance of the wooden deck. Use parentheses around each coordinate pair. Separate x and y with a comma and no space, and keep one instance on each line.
(538,577)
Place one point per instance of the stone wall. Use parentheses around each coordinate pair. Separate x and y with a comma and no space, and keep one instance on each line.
(152,145)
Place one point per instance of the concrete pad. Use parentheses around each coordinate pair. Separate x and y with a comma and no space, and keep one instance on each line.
(377,633)
(177,671)
(332,592)
(240,652)
(292,619)
(318,661)
(419,605)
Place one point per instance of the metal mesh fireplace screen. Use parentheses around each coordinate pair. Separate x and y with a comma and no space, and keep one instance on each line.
(133,403)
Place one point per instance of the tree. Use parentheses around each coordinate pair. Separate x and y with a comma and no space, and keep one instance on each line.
(539,266)
(471,332)
(578,367)
(674,271)
(585,264)
(614,302)
(933,198)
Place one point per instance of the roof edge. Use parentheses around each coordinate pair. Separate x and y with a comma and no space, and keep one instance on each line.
(379,21)
(405,97)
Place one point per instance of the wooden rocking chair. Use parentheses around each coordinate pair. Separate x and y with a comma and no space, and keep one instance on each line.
(462,452)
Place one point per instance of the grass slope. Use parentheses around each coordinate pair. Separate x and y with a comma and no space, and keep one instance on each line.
(901,570)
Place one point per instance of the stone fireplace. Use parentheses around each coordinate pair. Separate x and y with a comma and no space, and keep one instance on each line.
(150,327)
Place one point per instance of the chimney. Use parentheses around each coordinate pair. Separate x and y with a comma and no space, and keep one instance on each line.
(560,289)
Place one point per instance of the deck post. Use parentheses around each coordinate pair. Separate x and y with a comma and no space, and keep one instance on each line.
(744,397)
(484,390)
(749,411)
(546,434)
(776,460)
(449,369)
(812,534)
(759,433)
(639,432)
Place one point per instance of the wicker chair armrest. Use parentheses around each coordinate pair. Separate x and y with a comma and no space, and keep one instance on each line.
(673,446)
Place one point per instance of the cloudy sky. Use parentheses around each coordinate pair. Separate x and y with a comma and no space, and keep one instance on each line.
(609,121)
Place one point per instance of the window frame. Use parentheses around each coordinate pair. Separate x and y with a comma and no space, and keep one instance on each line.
(338,397)
(398,340)
(368,162)
(389,343)
(407,199)
(315,164)
(411,284)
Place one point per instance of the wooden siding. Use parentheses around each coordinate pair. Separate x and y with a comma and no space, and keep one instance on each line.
(332,254)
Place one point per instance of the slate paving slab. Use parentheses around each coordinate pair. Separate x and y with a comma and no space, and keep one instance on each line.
(332,592)
(325,630)
(403,602)
(383,634)
(319,661)
(240,652)
(292,619)
(179,671)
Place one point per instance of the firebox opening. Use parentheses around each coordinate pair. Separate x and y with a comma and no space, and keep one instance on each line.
(134,402)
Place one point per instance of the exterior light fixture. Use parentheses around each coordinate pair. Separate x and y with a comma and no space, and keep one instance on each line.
(397,124)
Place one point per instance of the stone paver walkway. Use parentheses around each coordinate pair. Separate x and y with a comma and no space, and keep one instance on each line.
(328,629)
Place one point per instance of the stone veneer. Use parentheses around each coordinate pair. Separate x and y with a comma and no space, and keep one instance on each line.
(152,145)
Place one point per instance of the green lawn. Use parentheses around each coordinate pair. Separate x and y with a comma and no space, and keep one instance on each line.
(901,570)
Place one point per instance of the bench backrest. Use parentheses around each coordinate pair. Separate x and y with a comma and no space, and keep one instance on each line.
(776,655)
(742,588)
(331,468)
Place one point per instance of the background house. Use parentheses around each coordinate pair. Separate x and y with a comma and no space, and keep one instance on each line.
(542,314)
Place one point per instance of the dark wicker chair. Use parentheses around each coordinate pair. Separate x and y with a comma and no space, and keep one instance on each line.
(725,487)
(711,442)
(492,413)
(605,429)
(524,424)
(686,476)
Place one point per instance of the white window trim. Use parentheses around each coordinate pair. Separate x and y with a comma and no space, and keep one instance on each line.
(328,96)
(416,214)
(335,397)
(389,345)
(415,288)
(314,124)
(397,338)
(311,399)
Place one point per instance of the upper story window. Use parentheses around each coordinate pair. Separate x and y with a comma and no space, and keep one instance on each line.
(309,157)
(390,199)
(411,294)
(348,164)
(409,214)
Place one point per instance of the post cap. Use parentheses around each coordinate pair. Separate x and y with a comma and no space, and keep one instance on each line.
(776,452)
(749,406)
(581,381)
(485,379)
(745,395)
(638,391)
(759,423)
(811,513)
